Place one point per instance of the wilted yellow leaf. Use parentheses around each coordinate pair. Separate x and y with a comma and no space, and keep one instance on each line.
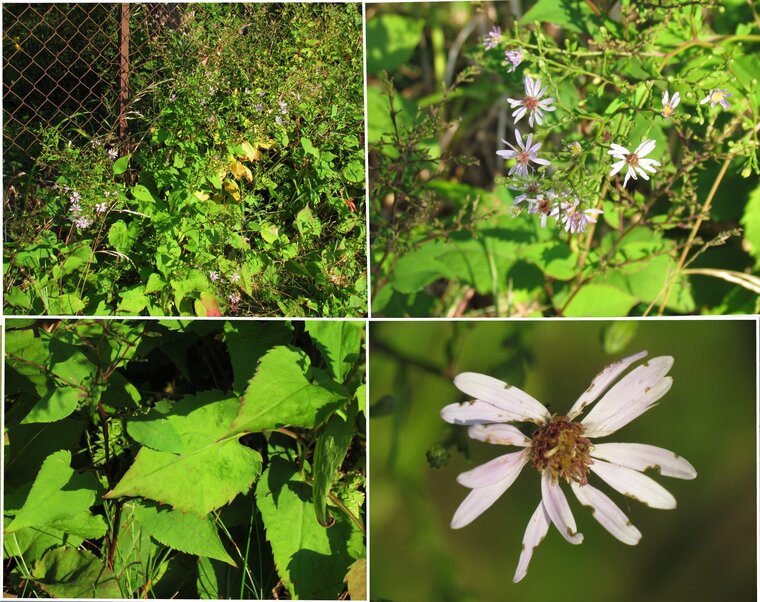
(250,153)
(232,189)
(201,196)
(239,170)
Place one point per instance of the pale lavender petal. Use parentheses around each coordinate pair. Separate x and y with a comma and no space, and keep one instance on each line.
(530,118)
(506,154)
(542,92)
(547,107)
(558,509)
(724,103)
(607,513)
(538,115)
(514,103)
(499,469)
(665,98)
(676,99)
(503,395)
(519,114)
(605,378)
(646,147)
(519,139)
(538,527)
(616,167)
(640,456)
(500,434)
(541,161)
(477,412)
(630,397)
(635,485)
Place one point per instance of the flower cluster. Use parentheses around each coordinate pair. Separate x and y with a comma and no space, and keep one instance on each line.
(561,448)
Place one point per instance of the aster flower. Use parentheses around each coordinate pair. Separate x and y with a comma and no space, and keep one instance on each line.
(545,205)
(75,198)
(234,277)
(83,222)
(574,219)
(528,186)
(636,164)
(668,106)
(717,95)
(532,104)
(561,449)
(523,155)
(515,57)
(101,207)
(575,149)
(493,38)
(213,276)
(113,153)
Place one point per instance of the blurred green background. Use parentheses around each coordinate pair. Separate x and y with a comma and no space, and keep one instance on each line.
(703,550)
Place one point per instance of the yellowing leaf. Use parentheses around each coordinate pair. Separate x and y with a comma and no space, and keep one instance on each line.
(232,189)
(250,153)
(240,171)
(201,196)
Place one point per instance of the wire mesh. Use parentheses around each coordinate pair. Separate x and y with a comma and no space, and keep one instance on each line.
(62,66)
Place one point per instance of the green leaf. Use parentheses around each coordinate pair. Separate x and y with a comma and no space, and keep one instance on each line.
(71,573)
(555,259)
(354,171)
(134,550)
(77,259)
(391,40)
(47,502)
(248,341)
(55,405)
(218,468)
(310,559)
(187,533)
(361,398)
(155,431)
(339,342)
(751,223)
(600,300)
(565,13)
(415,270)
(122,237)
(133,301)
(617,335)
(332,445)
(120,165)
(309,148)
(280,394)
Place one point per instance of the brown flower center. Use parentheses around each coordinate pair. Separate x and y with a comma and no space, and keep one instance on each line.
(561,448)
(530,103)
(523,157)
(632,160)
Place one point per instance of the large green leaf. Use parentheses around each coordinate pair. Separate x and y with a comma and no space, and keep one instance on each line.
(391,40)
(600,300)
(280,394)
(339,342)
(55,405)
(332,444)
(217,468)
(48,503)
(415,270)
(569,14)
(311,560)
(72,573)
(248,341)
(184,532)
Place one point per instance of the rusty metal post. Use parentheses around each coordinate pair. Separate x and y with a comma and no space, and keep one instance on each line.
(123,70)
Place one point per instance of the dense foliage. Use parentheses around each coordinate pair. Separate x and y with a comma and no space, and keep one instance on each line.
(630,138)
(240,192)
(195,459)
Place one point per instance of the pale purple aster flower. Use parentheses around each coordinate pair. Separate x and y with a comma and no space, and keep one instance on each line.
(669,105)
(544,205)
(283,107)
(278,120)
(113,153)
(213,276)
(172,97)
(636,164)
(101,207)
(528,186)
(234,298)
(532,103)
(75,198)
(717,95)
(574,219)
(561,449)
(258,107)
(234,277)
(493,38)
(526,152)
(515,57)
(83,222)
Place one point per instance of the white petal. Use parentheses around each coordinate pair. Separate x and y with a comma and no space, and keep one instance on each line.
(476,412)
(528,142)
(530,118)
(528,85)
(648,164)
(704,100)
(534,148)
(640,457)
(493,390)
(675,100)
(500,434)
(643,149)
(506,154)
(665,98)
(541,161)
(628,175)
(635,485)
(558,509)
(630,397)
(642,173)
(538,114)
(514,103)
(519,114)
(542,92)
(616,148)
(616,167)
(538,527)
(607,513)
(603,380)
(519,139)
(478,501)
(505,467)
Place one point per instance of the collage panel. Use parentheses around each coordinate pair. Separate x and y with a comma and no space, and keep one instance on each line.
(202,459)
(635,439)
(198,159)
(571,159)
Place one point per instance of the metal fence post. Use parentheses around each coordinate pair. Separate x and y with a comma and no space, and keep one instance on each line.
(123,70)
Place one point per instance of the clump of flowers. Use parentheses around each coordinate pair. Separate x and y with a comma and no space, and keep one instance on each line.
(561,448)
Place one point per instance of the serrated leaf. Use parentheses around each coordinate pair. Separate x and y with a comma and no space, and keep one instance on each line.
(122,237)
(248,341)
(55,405)
(356,580)
(339,342)
(156,431)
(47,502)
(187,533)
(218,468)
(71,573)
(310,559)
(332,445)
(280,394)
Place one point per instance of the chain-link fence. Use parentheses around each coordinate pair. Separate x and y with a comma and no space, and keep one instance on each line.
(71,64)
